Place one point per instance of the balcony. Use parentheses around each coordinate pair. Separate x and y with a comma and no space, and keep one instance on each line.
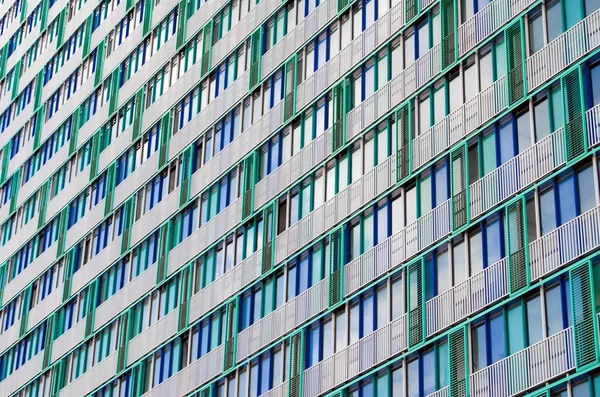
(565,243)
(277,391)
(336,209)
(393,251)
(350,56)
(527,368)
(563,51)
(232,281)
(283,320)
(486,21)
(197,373)
(592,118)
(366,353)
(467,297)
(518,173)
(293,169)
(394,92)
(460,123)
(445,392)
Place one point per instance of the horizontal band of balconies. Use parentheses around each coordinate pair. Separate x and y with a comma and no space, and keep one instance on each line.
(527,368)
(487,21)
(562,52)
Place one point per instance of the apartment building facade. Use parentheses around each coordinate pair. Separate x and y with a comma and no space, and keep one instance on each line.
(299,198)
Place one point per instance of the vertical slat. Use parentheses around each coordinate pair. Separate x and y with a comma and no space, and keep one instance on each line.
(516,245)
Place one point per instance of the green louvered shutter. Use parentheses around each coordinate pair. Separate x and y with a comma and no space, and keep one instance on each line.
(457,346)
(296,365)
(268,251)
(516,245)
(44,199)
(110,189)
(573,108)
(514,57)
(448,21)
(415,303)
(339,118)
(403,137)
(185,291)
(161,269)
(459,185)
(586,350)
(412,9)
(165,137)
(147,23)
(248,191)
(342,4)
(289,106)
(139,111)
(127,209)
(49,337)
(230,335)
(186,176)
(255,58)
(92,296)
(181,23)
(123,339)
(336,279)
(26,308)
(206,48)
(207,391)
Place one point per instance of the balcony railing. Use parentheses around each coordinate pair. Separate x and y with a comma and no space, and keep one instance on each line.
(391,252)
(563,51)
(527,368)
(460,123)
(486,21)
(293,169)
(366,353)
(517,173)
(592,117)
(283,319)
(565,243)
(445,392)
(467,297)
(350,56)
(336,209)
(394,92)
(277,391)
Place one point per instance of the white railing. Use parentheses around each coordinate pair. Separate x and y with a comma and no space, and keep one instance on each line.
(517,173)
(565,243)
(277,391)
(394,92)
(283,319)
(445,392)
(293,169)
(592,117)
(467,297)
(351,55)
(460,123)
(527,368)
(336,209)
(393,251)
(486,21)
(297,36)
(360,356)
(561,52)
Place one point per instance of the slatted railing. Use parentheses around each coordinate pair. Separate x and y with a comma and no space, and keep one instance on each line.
(517,173)
(565,243)
(563,51)
(467,297)
(366,353)
(527,368)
